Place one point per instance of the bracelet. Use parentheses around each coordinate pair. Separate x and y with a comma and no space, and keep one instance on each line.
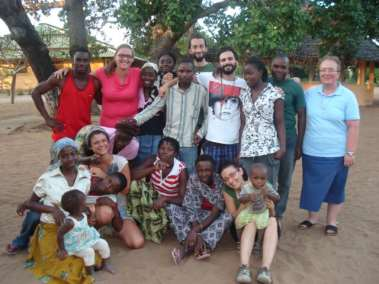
(350,154)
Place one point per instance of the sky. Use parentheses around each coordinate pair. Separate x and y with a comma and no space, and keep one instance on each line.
(110,33)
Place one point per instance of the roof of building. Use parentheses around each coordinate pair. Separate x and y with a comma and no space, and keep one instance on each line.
(57,41)
(368,50)
(309,50)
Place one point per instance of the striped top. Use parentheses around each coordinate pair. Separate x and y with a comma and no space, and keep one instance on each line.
(182,113)
(168,186)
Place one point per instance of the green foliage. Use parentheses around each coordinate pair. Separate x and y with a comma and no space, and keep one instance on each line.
(263,27)
(341,25)
(149,20)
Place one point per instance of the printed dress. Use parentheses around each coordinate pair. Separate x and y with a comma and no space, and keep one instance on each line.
(197,205)
(81,236)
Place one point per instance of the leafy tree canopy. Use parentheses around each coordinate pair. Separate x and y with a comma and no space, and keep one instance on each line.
(342,25)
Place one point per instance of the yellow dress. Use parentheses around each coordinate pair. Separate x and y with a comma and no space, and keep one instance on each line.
(42,259)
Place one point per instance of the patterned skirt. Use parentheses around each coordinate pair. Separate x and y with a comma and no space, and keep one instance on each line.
(153,223)
(42,260)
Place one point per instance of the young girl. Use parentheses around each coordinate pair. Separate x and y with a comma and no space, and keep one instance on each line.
(255,197)
(160,184)
(76,237)
(166,66)
(151,131)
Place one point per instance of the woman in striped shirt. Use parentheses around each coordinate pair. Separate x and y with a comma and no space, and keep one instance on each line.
(167,176)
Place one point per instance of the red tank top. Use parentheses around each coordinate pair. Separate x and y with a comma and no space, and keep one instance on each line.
(74,107)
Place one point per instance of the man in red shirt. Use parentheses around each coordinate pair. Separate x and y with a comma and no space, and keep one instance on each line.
(77,90)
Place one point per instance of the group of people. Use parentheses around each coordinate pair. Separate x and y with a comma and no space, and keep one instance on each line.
(188,146)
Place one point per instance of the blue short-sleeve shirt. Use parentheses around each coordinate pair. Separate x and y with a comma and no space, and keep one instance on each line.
(326,128)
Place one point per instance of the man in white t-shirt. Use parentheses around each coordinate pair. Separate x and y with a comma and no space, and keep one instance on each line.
(224,120)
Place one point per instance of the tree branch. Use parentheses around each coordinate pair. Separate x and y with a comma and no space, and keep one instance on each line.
(204,13)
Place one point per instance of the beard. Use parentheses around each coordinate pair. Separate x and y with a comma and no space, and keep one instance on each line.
(228,69)
(198,57)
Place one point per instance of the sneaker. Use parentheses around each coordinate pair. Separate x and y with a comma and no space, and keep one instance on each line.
(244,275)
(264,276)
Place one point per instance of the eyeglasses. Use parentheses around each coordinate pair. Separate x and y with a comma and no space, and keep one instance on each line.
(328,70)
(122,56)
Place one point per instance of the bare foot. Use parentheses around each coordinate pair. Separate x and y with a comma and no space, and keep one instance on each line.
(106,267)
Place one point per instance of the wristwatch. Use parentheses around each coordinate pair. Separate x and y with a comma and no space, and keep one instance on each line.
(350,153)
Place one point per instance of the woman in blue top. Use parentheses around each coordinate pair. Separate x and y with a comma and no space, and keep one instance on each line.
(330,141)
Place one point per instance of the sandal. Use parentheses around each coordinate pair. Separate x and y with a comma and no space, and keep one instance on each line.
(203,255)
(331,230)
(11,249)
(177,255)
(306,224)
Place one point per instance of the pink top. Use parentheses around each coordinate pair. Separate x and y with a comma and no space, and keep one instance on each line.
(119,100)
(129,152)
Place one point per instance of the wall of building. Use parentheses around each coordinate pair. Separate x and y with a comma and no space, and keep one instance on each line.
(26,80)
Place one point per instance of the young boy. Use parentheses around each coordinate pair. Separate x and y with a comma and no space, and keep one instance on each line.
(183,103)
(257,196)
(104,193)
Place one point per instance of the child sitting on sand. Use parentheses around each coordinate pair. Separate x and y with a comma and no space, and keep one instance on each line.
(104,193)
(257,197)
(76,237)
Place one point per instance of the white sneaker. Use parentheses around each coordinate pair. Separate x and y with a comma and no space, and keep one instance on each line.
(244,275)
(264,276)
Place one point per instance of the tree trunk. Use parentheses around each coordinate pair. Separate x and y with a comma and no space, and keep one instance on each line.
(13,87)
(76,24)
(22,31)
(166,42)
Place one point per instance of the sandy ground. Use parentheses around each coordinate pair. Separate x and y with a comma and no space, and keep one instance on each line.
(302,257)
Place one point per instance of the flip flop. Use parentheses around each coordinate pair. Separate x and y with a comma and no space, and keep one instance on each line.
(11,250)
(177,255)
(204,254)
(306,224)
(331,230)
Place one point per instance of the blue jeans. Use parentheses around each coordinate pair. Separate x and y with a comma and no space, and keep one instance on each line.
(268,160)
(287,165)
(31,220)
(188,155)
(148,146)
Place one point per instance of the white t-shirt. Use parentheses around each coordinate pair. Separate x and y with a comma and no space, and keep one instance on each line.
(223,115)
(52,185)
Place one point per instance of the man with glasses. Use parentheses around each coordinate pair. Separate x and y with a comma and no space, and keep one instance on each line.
(294,115)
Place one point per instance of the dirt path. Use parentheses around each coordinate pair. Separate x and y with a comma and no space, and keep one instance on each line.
(303,257)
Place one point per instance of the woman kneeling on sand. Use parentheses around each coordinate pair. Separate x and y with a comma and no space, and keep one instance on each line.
(232,175)
(102,164)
